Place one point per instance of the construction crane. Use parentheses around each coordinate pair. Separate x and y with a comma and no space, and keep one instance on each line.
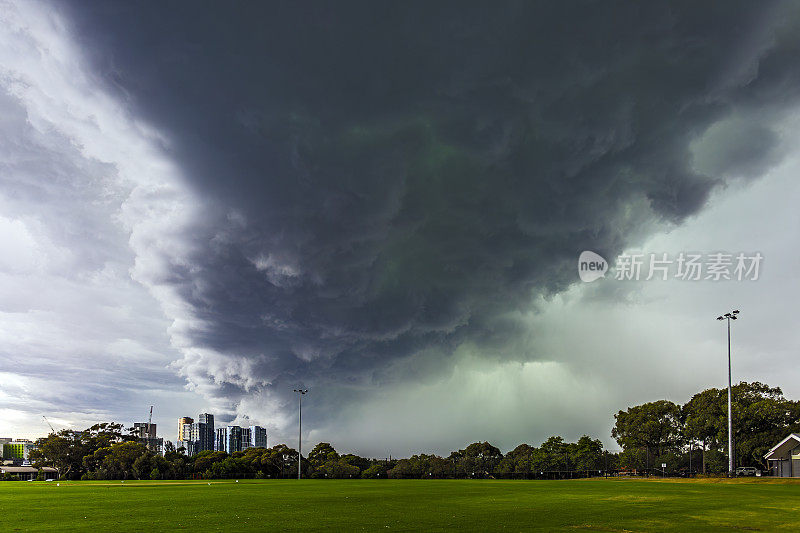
(150,422)
(49,424)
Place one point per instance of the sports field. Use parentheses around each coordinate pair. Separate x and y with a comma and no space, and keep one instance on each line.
(402,505)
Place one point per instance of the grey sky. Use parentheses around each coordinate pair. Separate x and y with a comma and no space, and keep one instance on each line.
(385,203)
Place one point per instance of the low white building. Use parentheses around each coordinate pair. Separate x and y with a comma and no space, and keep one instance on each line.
(784,457)
(27,473)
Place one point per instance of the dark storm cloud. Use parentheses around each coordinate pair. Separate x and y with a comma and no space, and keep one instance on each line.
(392,178)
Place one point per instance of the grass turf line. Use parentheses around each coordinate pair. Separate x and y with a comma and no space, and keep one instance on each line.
(403,505)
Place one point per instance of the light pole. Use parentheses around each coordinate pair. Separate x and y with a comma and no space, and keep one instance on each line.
(729,316)
(300,393)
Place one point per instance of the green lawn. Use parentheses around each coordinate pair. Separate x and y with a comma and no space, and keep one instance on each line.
(402,505)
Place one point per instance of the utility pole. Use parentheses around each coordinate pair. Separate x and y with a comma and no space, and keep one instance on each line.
(729,316)
(300,393)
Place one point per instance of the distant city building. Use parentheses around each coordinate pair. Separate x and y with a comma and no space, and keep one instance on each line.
(142,431)
(245,439)
(203,432)
(17,449)
(201,436)
(146,433)
(228,439)
(155,445)
(187,445)
(195,437)
(184,426)
(219,439)
(258,437)
(3,440)
(232,439)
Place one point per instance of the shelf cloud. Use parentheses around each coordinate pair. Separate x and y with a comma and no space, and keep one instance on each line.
(360,197)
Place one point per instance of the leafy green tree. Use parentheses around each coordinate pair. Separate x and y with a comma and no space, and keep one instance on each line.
(231,467)
(362,463)
(278,461)
(520,460)
(377,470)
(322,453)
(704,417)
(761,418)
(654,426)
(63,451)
(421,466)
(456,459)
(716,461)
(115,461)
(338,468)
(203,460)
(180,465)
(67,449)
(105,434)
(405,469)
(554,454)
(152,466)
(586,454)
(478,459)
(632,459)
(143,466)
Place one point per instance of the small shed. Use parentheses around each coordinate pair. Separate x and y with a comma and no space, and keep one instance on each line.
(784,457)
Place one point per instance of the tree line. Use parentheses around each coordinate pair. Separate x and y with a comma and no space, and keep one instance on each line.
(665,432)
(106,452)
(688,438)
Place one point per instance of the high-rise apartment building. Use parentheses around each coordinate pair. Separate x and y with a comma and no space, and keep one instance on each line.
(142,431)
(228,439)
(183,422)
(147,433)
(195,437)
(236,439)
(219,439)
(187,445)
(202,433)
(257,437)
(245,438)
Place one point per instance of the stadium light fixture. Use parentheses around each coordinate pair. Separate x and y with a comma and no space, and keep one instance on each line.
(728,317)
(300,393)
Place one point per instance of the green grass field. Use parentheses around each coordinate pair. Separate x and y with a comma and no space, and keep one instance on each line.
(402,505)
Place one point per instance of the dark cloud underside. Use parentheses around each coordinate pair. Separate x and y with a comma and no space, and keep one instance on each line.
(393,178)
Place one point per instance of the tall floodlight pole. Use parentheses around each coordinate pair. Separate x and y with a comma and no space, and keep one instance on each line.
(729,316)
(300,393)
